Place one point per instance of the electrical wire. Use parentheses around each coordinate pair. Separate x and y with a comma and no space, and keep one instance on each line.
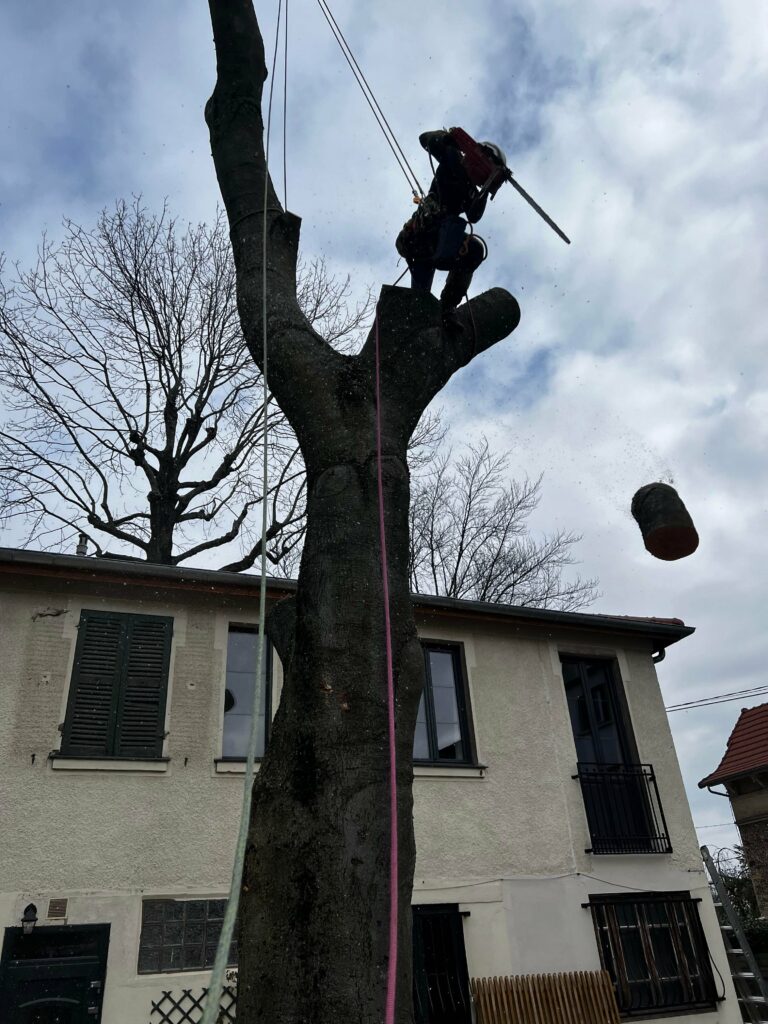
(371,100)
(212,1009)
(719,698)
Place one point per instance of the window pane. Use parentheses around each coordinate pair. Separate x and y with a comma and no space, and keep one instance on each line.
(421,739)
(445,704)
(242,654)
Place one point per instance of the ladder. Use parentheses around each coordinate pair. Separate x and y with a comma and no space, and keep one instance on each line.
(751,987)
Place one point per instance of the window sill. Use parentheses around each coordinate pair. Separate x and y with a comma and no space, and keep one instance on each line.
(442,771)
(62,762)
(224,766)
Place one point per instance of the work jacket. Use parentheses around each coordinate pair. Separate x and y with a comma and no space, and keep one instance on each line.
(450,186)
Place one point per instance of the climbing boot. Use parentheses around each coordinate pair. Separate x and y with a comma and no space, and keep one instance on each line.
(456,285)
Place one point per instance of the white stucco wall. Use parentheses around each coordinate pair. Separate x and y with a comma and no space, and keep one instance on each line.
(506,844)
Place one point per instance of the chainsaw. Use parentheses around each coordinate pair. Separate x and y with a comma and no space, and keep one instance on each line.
(488,175)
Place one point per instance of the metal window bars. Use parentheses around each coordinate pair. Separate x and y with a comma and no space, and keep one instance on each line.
(623,808)
(656,953)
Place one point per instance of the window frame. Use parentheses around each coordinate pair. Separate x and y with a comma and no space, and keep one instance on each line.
(696,938)
(118,694)
(239,627)
(463,703)
(618,699)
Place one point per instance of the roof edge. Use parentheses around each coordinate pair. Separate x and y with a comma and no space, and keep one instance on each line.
(662,632)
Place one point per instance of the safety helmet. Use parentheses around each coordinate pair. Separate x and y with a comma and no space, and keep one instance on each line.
(496,151)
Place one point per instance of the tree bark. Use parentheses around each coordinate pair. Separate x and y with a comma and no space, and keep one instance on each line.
(315,900)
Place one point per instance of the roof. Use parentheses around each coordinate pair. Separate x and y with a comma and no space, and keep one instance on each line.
(747,749)
(73,569)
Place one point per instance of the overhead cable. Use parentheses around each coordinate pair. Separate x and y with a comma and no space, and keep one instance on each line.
(371,100)
(719,698)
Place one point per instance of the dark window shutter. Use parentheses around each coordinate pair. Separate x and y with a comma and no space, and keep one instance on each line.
(93,693)
(141,711)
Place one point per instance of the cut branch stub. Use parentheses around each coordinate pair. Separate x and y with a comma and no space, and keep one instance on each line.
(664,521)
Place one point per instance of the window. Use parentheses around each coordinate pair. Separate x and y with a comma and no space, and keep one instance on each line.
(440,977)
(600,730)
(442,726)
(242,650)
(119,683)
(621,798)
(181,935)
(655,951)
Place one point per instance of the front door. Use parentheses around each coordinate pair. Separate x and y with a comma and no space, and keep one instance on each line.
(55,975)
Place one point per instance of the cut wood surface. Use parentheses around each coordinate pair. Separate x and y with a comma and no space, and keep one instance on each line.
(580,997)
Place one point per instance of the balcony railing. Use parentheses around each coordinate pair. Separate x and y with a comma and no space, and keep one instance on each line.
(623,808)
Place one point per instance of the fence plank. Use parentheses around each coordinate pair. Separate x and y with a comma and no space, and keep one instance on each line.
(568,998)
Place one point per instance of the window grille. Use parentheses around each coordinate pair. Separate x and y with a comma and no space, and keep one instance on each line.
(655,951)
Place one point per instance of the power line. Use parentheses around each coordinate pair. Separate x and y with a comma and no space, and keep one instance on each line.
(719,698)
(723,824)
(371,100)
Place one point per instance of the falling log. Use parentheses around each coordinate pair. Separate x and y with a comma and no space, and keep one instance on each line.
(666,526)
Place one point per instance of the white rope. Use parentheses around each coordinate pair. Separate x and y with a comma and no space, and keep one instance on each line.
(212,1002)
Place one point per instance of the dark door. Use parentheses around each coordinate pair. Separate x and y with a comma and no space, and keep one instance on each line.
(612,783)
(55,975)
(440,979)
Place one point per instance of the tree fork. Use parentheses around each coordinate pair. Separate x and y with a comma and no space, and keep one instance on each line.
(315,900)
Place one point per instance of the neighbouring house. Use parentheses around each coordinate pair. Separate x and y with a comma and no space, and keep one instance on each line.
(743,772)
(553,830)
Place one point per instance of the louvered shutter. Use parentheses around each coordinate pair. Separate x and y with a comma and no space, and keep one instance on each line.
(90,722)
(141,709)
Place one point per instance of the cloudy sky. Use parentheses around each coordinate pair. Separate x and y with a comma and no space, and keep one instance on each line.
(640,126)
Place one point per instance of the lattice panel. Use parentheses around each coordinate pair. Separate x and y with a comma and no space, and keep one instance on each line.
(187,1008)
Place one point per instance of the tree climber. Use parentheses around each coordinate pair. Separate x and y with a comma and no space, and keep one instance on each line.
(435,238)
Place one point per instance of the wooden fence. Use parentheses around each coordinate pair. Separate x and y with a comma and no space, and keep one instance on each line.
(582,997)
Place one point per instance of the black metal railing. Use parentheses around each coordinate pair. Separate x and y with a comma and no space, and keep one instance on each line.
(624,812)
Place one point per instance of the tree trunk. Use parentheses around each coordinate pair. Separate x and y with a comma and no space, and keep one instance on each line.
(161,526)
(316,949)
(315,902)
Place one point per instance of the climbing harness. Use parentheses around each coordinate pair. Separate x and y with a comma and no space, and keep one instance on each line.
(212,1009)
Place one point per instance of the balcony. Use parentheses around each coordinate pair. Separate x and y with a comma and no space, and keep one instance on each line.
(623,808)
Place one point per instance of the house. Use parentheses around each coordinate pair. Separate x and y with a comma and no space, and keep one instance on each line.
(743,772)
(552,825)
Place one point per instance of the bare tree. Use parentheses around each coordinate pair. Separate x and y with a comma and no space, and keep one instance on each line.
(315,909)
(470,536)
(135,407)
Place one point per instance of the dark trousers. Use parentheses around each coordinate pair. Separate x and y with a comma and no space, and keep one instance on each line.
(420,251)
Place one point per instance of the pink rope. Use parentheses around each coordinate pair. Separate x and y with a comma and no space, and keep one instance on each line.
(393,865)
